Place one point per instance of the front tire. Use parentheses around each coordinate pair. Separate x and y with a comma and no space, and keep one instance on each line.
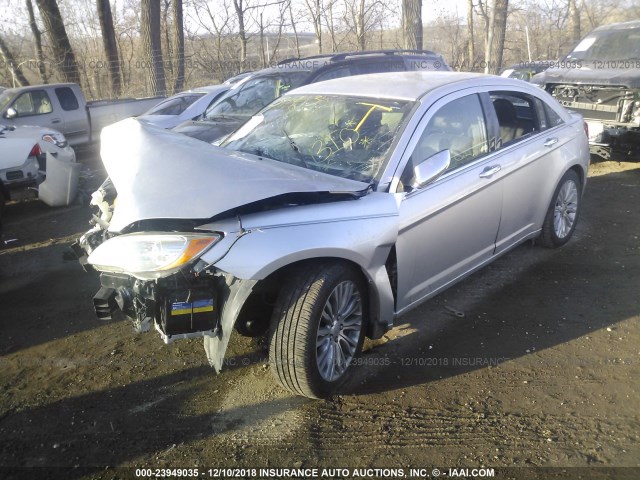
(562,216)
(318,329)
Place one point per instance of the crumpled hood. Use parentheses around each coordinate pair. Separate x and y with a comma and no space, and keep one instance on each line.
(589,76)
(159,174)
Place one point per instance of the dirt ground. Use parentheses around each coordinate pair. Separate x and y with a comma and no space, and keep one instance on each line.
(543,369)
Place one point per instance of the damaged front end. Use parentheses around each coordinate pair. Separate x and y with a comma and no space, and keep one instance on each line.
(612,114)
(200,247)
(157,279)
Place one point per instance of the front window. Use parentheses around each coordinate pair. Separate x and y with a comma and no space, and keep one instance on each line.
(5,98)
(254,94)
(36,102)
(175,105)
(346,136)
(609,45)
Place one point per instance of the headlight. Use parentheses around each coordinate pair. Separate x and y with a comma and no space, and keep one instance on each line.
(150,255)
(56,138)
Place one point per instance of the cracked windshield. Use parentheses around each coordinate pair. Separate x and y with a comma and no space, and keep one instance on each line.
(349,137)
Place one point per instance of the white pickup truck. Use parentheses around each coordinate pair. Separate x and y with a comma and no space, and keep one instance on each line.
(62,106)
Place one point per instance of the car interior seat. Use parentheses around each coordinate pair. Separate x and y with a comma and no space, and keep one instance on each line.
(45,106)
(444,134)
(511,127)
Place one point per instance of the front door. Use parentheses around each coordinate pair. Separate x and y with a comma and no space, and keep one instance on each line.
(448,227)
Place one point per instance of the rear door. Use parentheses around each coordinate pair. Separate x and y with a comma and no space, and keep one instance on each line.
(530,152)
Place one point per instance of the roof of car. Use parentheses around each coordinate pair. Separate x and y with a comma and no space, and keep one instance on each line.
(619,26)
(208,89)
(308,64)
(394,85)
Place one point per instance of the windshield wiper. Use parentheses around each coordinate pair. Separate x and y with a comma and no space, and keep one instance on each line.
(295,148)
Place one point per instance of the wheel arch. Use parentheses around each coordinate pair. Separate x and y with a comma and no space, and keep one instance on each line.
(378,288)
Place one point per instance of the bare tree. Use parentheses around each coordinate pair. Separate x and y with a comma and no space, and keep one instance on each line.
(363,16)
(37,37)
(470,35)
(499,32)
(574,22)
(314,9)
(329,18)
(241,9)
(110,45)
(178,44)
(150,32)
(294,28)
(412,24)
(12,65)
(58,40)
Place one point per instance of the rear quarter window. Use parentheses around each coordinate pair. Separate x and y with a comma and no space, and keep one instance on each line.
(67,98)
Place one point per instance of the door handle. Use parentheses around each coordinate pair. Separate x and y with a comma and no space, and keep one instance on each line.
(56,120)
(551,141)
(490,171)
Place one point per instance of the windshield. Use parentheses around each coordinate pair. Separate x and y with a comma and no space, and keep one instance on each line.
(174,105)
(254,94)
(349,137)
(608,45)
(5,99)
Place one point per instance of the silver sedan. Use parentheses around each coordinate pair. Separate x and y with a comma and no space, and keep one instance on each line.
(337,208)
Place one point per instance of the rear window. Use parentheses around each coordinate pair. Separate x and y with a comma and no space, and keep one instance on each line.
(175,105)
(67,98)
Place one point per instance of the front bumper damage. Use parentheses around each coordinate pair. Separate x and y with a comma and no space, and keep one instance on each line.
(184,305)
(612,114)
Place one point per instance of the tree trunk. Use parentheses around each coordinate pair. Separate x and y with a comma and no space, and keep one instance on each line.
(178,39)
(12,65)
(360,26)
(37,36)
(110,45)
(472,47)
(150,32)
(488,41)
(315,11)
(242,33)
(412,24)
(295,30)
(168,46)
(499,32)
(58,39)
(574,23)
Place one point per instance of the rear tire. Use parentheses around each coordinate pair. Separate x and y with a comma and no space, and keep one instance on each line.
(318,327)
(562,216)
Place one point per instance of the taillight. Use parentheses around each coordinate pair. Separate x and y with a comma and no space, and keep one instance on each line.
(586,129)
(35,151)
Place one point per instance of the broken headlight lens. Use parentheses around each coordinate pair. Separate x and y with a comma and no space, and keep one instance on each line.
(150,255)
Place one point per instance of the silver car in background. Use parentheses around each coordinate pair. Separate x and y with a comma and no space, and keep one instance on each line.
(337,208)
(183,106)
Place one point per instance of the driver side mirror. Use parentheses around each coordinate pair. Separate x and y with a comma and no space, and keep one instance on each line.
(427,171)
(11,113)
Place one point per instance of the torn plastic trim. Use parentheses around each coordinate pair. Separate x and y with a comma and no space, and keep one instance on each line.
(232,299)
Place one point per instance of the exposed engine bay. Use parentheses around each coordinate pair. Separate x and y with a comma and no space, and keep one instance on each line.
(612,114)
